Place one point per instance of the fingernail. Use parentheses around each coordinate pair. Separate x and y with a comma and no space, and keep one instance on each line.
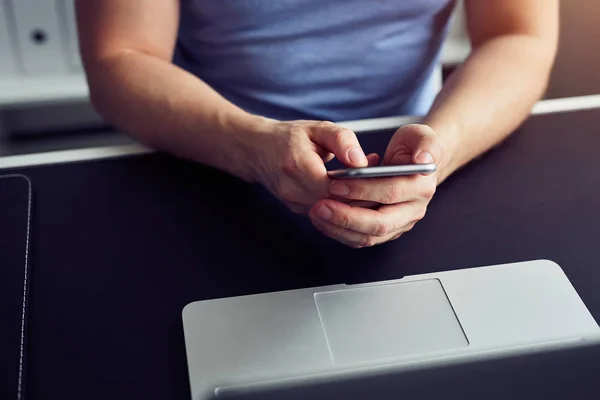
(339,188)
(424,158)
(325,213)
(357,156)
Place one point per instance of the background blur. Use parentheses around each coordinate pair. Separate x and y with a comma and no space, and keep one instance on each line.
(44,99)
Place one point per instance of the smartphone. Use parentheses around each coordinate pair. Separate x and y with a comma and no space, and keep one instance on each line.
(383,171)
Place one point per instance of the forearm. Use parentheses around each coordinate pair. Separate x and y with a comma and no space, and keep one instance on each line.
(489,96)
(169,109)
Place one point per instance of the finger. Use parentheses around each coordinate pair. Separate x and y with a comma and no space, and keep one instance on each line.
(364,220)
(391,190)
(312,174)
(325,155)
(298,208)
(295,196)
(346,236)
(417,214)
(356,239)
(328,157)
(340,141)
(428,151)
(373,160)
(307,169)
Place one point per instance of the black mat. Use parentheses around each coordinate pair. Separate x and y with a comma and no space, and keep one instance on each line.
(123,245)
(15,197)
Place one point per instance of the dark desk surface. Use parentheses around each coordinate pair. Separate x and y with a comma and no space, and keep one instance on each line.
(119,247)
(14,221)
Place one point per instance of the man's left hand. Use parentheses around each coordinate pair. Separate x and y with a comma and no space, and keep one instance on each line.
(403,200)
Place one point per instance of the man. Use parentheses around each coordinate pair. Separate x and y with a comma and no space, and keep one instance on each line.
(245,85)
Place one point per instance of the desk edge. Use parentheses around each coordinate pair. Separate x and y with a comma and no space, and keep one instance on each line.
(360,126)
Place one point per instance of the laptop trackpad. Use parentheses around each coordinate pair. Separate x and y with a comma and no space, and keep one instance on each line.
(388,321)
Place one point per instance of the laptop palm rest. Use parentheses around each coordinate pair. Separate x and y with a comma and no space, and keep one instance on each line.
(388,321)
(305,336)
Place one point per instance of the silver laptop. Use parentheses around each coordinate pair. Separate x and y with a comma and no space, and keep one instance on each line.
(269,344)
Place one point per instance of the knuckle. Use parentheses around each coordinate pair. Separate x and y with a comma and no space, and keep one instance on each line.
(368,241)
(420,214)
(380,229)
(297,125)
(297,136)
(429,190)
(297,209)
(342,135)
(325,124)
(286,194)
(344,221)
(297,133)
(338,136)
(289,165)
(391,195)
(397,235)
(407,228)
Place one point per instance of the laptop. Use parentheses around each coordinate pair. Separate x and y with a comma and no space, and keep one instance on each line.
(375,339)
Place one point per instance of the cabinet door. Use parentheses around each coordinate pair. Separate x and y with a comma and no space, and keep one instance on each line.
(39,36)
(72,41)
(8,61)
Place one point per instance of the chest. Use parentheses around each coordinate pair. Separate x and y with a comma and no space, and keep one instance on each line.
(257,13)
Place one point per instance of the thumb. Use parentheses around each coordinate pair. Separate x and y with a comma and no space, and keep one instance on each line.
(340,141)
(417,144)
(423,157)
(427,151)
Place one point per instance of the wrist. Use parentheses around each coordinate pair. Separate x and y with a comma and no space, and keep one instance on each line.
(249,134)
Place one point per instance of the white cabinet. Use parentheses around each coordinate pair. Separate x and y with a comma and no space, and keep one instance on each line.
(39,53)
(8,60)
(72,44)
(39,36)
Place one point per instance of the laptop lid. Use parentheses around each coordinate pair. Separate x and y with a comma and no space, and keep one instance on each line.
(568,372)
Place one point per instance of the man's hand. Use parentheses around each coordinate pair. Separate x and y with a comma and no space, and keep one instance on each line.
(403,199)
(290,159)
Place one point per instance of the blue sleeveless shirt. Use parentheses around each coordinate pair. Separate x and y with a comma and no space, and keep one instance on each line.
(317,59)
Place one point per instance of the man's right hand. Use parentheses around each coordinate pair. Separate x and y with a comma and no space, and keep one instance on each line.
(290,159)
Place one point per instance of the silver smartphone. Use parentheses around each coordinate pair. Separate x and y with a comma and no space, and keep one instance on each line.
(383,171)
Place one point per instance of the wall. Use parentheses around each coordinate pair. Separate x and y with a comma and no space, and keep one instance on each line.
(577,68)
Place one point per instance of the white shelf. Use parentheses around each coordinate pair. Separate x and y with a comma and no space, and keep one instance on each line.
(23,90)
(455,51)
